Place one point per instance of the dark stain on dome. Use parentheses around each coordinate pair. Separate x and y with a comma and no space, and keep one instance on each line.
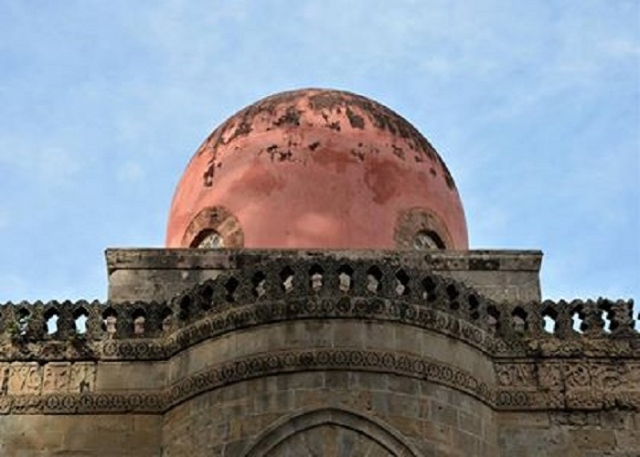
(356,121)
(290,117)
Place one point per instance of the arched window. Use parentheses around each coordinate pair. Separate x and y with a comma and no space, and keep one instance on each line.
(427,239)
(209,239)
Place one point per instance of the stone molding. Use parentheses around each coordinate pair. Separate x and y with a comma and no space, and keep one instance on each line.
(439,261)
(248,316)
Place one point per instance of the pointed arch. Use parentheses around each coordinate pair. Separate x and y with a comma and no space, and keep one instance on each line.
(287,428)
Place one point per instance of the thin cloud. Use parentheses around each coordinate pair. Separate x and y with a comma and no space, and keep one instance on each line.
(44,167)
(4,219)
(131,172)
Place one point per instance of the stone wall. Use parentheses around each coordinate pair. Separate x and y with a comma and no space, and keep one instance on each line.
(314,413)
(614,433)
(114,435)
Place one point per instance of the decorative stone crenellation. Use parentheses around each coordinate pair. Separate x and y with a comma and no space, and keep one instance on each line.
(324,288)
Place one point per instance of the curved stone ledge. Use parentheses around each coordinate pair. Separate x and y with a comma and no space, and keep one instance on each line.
(328,359)
(331,334)
(250,316)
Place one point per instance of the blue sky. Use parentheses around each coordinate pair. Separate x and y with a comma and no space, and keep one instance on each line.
(535,107)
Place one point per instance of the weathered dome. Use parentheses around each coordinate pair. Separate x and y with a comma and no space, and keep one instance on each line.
(317,168)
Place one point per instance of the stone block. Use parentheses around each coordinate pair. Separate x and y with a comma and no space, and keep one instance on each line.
(403,385)
(336,380)
(368,380)
(594,439)
(305,380)
(443,413)
(379,335)
(311,398)
(437,432)
(466,443)
(627,440)
(469,423)
(112,376)
(403,405)
(317,333)
(408,426)
(348,334)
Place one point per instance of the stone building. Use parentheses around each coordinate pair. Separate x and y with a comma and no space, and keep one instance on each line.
(317,297)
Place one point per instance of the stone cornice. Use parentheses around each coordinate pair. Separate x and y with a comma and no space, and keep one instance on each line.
(477,259)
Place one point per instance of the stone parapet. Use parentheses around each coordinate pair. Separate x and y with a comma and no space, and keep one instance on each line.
(323,287)
(159,274)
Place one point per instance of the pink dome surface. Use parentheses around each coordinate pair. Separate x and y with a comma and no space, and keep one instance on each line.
(319,169)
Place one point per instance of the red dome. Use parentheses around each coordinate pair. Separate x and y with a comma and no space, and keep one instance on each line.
(320,169)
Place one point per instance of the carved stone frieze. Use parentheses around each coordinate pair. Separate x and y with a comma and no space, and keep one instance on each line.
(4,378)
(82,376)
(550,375)
(56,377)
(576,375)
(572,383)
(515,374)
(25,378)
(32,378)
